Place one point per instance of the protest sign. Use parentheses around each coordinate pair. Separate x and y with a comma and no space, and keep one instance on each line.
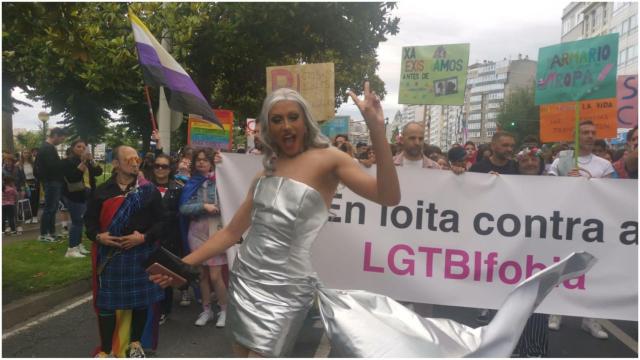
(577,70)
(315,82)
(435,75)
(335,126)
(201,133)
(557,121)
(468,240)
(627,101)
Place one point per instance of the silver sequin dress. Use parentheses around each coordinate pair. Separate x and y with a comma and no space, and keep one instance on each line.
(272,283)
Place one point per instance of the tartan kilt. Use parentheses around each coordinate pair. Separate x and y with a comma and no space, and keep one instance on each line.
(124,283)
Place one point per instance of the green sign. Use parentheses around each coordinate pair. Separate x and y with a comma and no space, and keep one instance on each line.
(577,70)
(335,126)
(434,75)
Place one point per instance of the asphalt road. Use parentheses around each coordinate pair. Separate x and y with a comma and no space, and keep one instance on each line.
(72,332)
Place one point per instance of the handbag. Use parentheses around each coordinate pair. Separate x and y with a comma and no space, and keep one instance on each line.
(74,186)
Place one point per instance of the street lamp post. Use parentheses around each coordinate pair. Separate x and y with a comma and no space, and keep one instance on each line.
(44,117)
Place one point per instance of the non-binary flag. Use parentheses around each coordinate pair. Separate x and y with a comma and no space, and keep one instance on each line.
(159,68)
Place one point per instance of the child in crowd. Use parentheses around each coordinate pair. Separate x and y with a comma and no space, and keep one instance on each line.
(9,200)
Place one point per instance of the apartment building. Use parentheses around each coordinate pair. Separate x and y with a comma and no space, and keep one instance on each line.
(582,20)
(488,85)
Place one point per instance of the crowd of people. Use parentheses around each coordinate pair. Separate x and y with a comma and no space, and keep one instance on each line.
(174,202)
(500,156)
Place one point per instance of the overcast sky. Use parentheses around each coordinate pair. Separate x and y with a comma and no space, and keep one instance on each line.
(495,30)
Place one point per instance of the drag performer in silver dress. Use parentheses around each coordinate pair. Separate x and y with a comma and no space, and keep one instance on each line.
(272,282)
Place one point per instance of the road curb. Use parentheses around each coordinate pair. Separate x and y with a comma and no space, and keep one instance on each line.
(23,309)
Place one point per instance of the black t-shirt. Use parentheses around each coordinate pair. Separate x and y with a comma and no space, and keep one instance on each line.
(486,166)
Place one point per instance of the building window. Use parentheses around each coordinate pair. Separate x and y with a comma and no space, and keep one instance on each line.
(619,5)
(632,53)
(604,14)
(622,57)
(586,26)
(593,20)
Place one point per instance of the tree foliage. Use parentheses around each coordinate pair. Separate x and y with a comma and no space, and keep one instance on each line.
(79,58)
(519,115)
(30,139)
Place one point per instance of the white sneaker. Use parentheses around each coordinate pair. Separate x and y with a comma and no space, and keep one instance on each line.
(28,221)
(185,300)
(73,253)
(46,238)
(222,318)
(34,220)
(554,322)
(594,328)
(19,230)
(204,318)
(83,250)
(7,231)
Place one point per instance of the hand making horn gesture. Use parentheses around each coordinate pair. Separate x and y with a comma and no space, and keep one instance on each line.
(370,106)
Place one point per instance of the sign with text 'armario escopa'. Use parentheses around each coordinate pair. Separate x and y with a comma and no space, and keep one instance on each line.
(434,75)
(577,70)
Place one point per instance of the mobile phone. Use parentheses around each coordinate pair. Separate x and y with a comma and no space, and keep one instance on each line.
(177,280)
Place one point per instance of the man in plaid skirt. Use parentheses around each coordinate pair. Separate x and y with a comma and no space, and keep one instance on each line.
(124,218)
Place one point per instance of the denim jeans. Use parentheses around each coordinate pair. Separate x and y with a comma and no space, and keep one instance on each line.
(76,212)
(52,193)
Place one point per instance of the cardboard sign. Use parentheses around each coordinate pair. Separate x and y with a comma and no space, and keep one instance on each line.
(627,101)
(201,133)
(557,121)
(434,75)
(315,82)
(335,126)
(577,70)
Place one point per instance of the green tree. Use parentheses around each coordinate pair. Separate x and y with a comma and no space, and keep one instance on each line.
(519,115)
(79,58)
(30,139)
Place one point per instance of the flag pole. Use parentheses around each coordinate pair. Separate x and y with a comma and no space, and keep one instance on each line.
(151,117)
(576,146)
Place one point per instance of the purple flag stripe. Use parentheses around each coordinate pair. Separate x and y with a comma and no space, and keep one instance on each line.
(172,79)
(178,100)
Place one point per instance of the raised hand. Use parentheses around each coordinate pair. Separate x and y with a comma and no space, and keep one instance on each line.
(369,107)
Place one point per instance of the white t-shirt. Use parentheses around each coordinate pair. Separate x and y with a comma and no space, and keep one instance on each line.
(28,171)
(593,166)
(412,163)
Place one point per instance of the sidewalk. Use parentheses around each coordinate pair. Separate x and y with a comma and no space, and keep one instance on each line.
(20,310)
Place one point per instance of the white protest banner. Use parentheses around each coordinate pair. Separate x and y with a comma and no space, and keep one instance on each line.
(468,240)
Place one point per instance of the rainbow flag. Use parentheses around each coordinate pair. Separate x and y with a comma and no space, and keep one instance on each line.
(202,134)
(159,68)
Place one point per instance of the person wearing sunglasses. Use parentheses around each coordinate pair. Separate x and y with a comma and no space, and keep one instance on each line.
(125,219)
(163,177)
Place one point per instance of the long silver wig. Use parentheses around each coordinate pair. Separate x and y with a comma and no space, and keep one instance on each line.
(313,136)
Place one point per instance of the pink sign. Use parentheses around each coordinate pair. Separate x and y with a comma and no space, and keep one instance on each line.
(627,94)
